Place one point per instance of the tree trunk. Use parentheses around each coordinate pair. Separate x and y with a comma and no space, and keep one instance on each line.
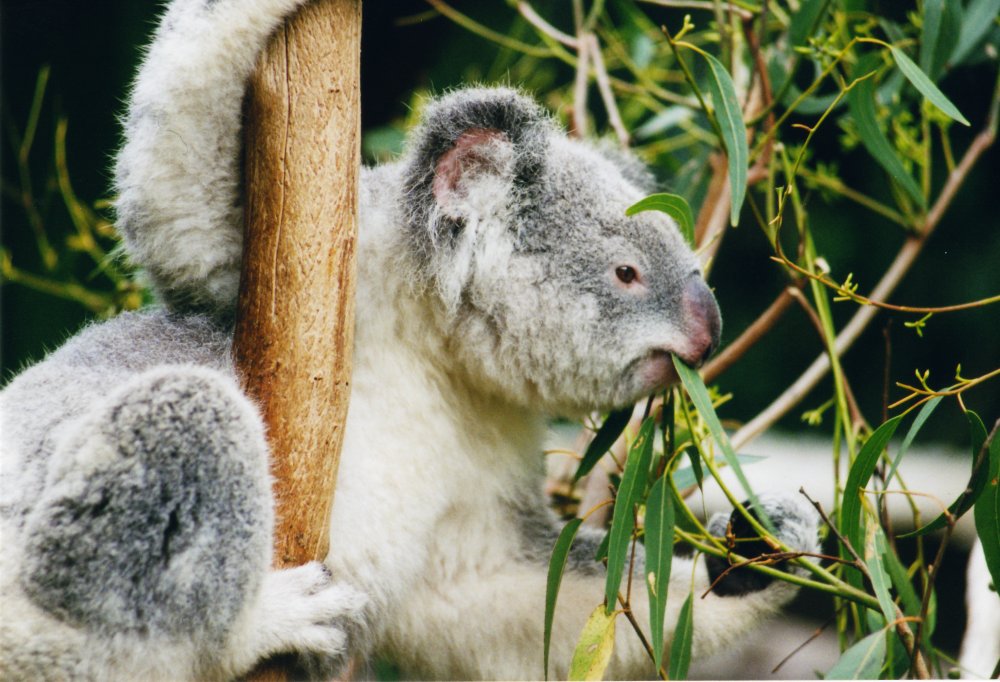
(295,318)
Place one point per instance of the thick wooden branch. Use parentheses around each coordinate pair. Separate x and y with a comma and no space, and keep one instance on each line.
(295,320)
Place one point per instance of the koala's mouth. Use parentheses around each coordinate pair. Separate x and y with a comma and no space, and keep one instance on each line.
(655,371)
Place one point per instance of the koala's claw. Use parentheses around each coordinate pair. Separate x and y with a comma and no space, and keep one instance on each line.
(302,610)
(796,524)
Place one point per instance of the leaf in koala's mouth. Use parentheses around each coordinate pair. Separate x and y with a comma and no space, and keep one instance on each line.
(657,371)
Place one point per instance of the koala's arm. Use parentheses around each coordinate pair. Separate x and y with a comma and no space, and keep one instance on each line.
(178,174)
(491,625)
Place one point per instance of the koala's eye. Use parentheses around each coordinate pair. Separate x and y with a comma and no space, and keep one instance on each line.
(626,274)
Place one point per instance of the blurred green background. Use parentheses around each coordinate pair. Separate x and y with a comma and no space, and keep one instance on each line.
(92,50)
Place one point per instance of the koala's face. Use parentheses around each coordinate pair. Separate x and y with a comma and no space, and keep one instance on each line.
(552,296)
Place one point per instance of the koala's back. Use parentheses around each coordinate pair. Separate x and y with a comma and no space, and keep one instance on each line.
(39,405)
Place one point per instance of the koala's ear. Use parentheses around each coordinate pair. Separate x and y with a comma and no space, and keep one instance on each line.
(629,165)
(466,137)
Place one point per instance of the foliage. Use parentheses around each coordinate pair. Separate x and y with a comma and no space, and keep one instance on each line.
(734,101)
(745,89)
(109,285)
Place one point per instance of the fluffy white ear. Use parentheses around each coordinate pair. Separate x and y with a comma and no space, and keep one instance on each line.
(480,158)
(475,151)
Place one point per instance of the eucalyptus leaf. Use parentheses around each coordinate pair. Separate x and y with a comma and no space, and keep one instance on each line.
(925,412)
(699,396)
(594,648)
(851,526)
(557,564)
(922,83)
(670,117)
(602,549)
(605,437)
(680,647)
(930,33)
(909,601)
(875,550)
(734,132)
(623,518)
(977,479)
(979,17)
(688,476)
(861,103)
(674,206)
(863,661)
(659,554)
(941,25)
(805,22)
(987,513)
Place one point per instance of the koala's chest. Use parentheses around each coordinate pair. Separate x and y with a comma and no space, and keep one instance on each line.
(472,540)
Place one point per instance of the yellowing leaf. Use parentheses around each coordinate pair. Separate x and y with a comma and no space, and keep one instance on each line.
(593,650)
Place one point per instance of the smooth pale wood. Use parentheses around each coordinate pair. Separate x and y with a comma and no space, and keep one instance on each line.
(295,318)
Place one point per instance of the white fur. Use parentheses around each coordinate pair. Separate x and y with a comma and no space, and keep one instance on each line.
(442,449)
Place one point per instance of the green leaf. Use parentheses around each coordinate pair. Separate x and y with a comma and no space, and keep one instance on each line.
(979,18)
(987,513)
(875,549)
(941,26)
(603,440)
(602,549)
(680,647)
(806,21)
(922,416)
(901,581)
(863,661)
(930,33)
(593,650)
(674,206)
(659,554)
(688,476)
(703,403)
(864,465)
(909,601)
(922,83)
(861,102)
(623,519)
(557,564)
(734,132)
(977,479)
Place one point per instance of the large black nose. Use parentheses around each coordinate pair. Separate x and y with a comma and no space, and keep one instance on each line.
(702,321)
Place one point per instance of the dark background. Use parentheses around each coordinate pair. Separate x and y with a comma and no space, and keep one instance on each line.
(93,48)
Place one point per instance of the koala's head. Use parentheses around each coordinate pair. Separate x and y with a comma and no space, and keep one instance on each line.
(550,294)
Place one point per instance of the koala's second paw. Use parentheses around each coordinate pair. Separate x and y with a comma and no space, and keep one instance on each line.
(796,523)
(304,612)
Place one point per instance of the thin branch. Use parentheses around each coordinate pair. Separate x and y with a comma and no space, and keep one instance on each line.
(582,78)
(845,293)
(701,4)
(751,335)
(533,18)
(627,610)
(473,26)
(857,419)
(899,267)
(604,87)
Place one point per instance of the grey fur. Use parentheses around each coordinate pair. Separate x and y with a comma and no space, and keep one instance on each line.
(135,494)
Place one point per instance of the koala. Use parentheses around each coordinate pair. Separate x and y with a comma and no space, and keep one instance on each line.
(499,283)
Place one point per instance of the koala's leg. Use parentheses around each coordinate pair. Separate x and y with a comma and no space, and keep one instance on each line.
(156,516)
(489,623)
(154,532)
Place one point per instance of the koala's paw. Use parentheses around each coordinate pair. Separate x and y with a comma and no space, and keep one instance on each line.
(796,523)
(302,611)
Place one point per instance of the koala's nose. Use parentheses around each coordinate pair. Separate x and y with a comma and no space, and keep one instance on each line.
(702,321)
